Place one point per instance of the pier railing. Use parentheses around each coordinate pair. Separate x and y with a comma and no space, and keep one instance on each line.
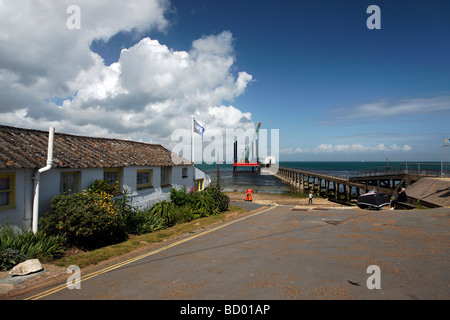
(425,169)
(340,184)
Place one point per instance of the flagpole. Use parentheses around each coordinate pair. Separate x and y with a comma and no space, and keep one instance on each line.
(192,141)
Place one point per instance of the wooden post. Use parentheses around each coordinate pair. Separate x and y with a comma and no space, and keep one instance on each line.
(336,190)
(348,190)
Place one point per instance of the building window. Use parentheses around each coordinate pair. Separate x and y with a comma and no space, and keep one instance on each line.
(144,179)
(199,184)
(184,172)
(68,182)
(7,190)
(112,176)
(165,176)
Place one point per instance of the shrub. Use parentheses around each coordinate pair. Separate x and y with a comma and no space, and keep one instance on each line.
(184,214)
(182,198)
(138,222)
(165,210)
(9,258)
(210,202)
(220,200)
(85,220)
(205,203)
(101,187)
(17,246)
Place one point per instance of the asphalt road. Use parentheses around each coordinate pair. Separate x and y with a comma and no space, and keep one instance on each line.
(277,253)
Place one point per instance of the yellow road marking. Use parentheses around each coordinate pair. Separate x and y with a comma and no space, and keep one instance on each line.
(123,263)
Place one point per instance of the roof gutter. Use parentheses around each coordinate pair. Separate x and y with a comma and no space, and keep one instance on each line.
(37,178)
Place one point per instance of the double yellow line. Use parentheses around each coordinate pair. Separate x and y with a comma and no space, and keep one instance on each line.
(145,255)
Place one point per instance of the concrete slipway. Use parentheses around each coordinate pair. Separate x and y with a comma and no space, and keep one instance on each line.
(434,191)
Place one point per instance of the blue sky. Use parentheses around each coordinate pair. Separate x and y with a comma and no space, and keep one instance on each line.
(312,69)
(315,63)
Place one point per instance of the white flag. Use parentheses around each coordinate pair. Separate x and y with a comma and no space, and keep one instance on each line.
(198,128)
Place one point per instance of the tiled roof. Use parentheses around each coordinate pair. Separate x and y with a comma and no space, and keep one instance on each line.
(24,148)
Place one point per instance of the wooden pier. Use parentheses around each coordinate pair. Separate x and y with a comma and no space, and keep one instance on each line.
(346,189)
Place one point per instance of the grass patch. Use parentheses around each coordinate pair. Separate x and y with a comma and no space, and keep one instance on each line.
(419,206)
(85,259)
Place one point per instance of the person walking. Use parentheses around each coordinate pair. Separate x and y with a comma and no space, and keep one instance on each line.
(310,198)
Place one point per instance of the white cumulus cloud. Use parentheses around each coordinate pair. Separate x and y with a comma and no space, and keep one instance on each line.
(346,148)
(394,110)
(50,76)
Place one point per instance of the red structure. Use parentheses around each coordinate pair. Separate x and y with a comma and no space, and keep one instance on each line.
(249,195)
(246,163)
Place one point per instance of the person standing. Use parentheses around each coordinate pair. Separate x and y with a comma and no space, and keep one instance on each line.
(310,198)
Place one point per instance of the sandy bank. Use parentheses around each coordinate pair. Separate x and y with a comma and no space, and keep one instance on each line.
(282,199)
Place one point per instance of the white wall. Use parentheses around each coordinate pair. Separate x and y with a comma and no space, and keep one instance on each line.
(148,197)
(21,215)
(201,175)
(50,183)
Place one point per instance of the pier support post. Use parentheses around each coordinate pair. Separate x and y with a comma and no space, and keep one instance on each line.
(336,190)
(348,190)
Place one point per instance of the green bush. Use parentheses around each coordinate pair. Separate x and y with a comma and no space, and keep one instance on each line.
(138,222)
(204,203)
(220,201)
(184,214)
(182,198)
(9,258)
(210,202)
(165,210)
(85,220)
(101,187)
(17,246)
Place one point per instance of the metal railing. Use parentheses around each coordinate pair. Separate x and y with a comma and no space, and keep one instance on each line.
(425,169)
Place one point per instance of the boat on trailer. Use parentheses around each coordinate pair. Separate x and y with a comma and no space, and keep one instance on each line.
(373,200)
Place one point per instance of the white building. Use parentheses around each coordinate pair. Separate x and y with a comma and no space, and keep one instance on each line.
(146,171)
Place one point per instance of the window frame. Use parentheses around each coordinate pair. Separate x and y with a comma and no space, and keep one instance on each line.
(77,179)
(118,187)
(166,182)
(184,172)
(145,185)
(199,184)
(12,190)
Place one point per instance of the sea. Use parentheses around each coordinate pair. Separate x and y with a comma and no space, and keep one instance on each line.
(246,179)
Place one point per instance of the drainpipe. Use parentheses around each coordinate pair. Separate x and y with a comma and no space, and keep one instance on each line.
(37,177)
